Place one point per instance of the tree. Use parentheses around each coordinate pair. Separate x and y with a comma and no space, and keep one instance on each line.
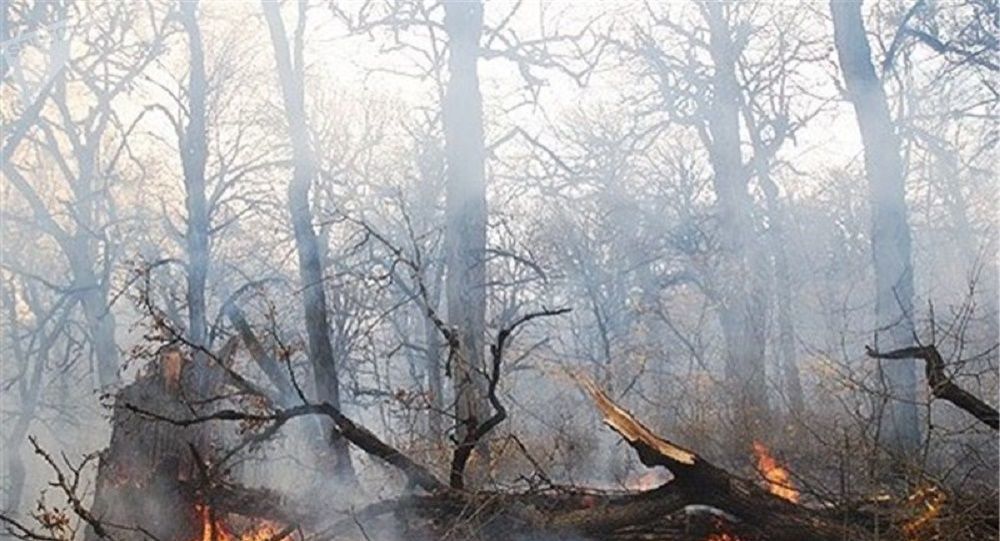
(85,144)
(890,237)
(290,76)
(465,211)
(194,151)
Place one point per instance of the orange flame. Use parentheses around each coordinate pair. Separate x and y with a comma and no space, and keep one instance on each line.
(214,529)
(928,500)
(779,481)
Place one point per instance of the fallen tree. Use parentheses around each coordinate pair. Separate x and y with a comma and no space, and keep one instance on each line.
(702,498)
(702,502)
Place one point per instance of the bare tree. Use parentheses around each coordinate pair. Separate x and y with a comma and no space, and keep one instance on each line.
(465,214)
(890,230)
(290,74)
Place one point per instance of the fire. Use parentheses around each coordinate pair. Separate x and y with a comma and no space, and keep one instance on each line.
(779,481)
(214,529)
(928,500)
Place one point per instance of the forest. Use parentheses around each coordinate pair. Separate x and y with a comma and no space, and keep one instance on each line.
(525,270)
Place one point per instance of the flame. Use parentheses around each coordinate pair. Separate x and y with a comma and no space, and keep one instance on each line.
(779,481)
(929,500)
(214,529)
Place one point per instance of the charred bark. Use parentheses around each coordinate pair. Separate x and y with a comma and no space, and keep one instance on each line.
(141,476)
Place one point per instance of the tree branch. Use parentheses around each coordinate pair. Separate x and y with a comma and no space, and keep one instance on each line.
(940,384)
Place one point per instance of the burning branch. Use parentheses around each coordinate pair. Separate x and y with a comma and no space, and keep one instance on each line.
(652,449)
(698,482)
(779,481)
(940,384)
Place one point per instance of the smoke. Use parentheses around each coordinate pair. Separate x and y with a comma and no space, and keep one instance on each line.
(713,238)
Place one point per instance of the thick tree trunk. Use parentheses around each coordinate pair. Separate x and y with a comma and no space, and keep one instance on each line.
(890,237)
(465,227)
(741,298)
(310,264)
(194,148)
(141,475)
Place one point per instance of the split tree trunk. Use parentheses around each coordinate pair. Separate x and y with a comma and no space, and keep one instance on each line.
(141,476)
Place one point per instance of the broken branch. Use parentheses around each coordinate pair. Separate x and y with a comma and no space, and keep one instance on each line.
(941,385)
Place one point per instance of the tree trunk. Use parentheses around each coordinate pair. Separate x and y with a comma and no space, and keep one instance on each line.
(741,299)
(310,264)
(194,147)
(777,237)
(100,319)
(141,476)
(435,386)
(890,237)
(465,228)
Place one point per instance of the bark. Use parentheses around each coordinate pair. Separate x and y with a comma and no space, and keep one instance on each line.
(194,147)
(890,238)
(465,208)
(141,475)
(310,264)
(741,310)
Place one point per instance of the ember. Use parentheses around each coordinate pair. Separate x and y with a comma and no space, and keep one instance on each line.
(778,478)
(927,502)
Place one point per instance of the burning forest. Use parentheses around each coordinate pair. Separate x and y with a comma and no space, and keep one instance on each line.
(362,270)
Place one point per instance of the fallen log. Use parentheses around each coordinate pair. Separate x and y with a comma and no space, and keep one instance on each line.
(699,482)
(701,500)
